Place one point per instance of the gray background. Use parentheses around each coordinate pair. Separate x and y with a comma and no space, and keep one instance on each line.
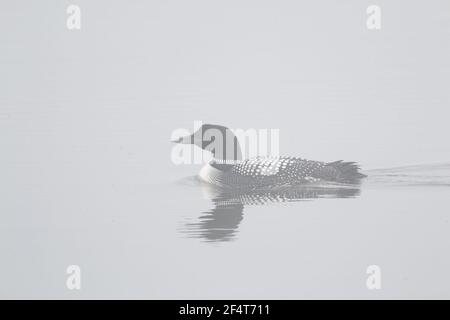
(86,117)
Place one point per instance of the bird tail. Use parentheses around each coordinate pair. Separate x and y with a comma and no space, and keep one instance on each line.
(345,172)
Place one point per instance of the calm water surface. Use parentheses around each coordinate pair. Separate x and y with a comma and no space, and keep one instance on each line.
(315,242)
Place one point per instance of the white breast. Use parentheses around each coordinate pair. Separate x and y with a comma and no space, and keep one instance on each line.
(211,175)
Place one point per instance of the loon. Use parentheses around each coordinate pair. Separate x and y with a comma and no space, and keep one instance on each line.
(228,170)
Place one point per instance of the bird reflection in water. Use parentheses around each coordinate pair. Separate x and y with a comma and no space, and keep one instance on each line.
(221,222)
